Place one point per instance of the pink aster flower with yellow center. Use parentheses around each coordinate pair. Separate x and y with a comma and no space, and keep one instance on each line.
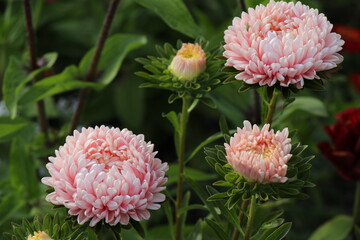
(189,62)
(281,42)
(106,173)
(41,235)
(259,155)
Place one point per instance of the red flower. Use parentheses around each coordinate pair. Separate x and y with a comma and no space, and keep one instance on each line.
(351,37)
(344,152)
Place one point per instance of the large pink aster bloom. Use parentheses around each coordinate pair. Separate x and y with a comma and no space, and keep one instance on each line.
(106,173)
(281,42)
(259,155)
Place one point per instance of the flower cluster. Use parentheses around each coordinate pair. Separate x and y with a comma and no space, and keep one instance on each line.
(281,43)
(106,173)
(344,152)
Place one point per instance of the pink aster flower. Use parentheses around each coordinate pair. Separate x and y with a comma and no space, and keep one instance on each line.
(281,42)
(189,62)
(259,155)
(106,173)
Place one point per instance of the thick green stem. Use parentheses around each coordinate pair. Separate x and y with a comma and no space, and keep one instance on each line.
(251,216)
(181,148)
(243,209)
(357,205)
(271,107)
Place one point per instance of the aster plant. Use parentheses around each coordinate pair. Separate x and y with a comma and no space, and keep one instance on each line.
(189,73)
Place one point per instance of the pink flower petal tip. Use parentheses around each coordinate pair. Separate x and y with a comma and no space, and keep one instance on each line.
(259,155)
(106,173)
(285,43)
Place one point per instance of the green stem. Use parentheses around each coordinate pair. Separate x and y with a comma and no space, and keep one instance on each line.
(182,135)
(272,107)
(251,216)
(357,205)
(243,209)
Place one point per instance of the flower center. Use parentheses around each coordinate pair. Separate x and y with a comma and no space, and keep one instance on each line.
(103,153)
(263,149)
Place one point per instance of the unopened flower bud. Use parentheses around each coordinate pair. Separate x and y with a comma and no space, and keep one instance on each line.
(189,62)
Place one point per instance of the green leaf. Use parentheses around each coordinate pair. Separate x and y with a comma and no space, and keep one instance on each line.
(272,223)
(14,80)
(127,95)
(56,84)
(16,77)
(337,228)
(22,169)
(175,14)
(218,196)
(223,125)
(217,229)
(9,205)
(10,127)
(203,196)
(309,105)
(192,173)
(174,120)
(115,49)
(170,218)
(280,232)
(138,227)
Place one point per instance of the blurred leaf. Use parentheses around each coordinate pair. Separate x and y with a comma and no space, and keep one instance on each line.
(129,101)
(217,229)
(192,173)
(280,232)
(170,218)
(14,80)
(337,228)
(56,84)
(16,77)
(174,120)
(10,127)
(115,49)
(23,169)
(138,227)
(175,14)
(10,204)
(309,105)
